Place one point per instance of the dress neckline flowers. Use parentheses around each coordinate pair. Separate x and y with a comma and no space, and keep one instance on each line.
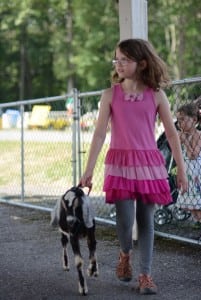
(133,97)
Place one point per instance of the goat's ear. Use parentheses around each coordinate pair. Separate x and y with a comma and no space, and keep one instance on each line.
(76,203)
(69,196)
(63,198)
(65,195)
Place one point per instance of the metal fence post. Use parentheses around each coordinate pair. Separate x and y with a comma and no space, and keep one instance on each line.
(78,137)
(74,136)
(22,150)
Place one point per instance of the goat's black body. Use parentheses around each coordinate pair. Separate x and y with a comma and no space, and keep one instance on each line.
(73,227)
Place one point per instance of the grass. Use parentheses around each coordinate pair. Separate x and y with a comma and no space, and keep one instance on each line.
(45,164)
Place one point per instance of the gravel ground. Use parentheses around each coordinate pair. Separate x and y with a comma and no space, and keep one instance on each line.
(31,269)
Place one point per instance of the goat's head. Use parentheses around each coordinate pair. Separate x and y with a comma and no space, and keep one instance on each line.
(72,203)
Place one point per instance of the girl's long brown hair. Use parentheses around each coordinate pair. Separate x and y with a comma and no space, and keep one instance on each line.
(155,74)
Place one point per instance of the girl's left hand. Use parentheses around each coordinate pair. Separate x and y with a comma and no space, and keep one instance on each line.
(182,182)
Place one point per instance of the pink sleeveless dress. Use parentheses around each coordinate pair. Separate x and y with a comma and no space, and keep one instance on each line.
(134,167)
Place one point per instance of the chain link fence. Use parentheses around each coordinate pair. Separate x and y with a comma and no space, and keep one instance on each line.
(44,148)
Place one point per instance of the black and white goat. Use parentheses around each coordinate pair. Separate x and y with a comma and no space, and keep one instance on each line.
(75,216)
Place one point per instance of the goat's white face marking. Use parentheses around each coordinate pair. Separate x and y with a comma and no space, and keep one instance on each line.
(69,196)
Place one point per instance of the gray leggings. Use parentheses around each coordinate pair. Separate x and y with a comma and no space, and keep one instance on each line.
(145,222)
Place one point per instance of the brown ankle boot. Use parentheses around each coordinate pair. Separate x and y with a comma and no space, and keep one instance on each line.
(124,269)
(146,286)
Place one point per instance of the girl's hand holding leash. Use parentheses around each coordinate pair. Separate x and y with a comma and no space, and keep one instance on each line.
(182,182)
(86,180)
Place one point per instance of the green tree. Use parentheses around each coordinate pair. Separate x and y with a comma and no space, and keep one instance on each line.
(174,29)
(49,47)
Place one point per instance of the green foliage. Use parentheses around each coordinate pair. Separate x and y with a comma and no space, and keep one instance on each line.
(174,29)
(49,47)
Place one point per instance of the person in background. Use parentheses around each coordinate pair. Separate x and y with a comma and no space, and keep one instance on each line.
(188,117)
(134,167)
(69,106)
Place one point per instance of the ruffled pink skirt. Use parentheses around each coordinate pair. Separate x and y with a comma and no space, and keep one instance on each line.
(136,174)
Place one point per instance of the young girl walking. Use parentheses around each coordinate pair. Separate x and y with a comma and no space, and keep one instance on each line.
(134,167)
(188,117)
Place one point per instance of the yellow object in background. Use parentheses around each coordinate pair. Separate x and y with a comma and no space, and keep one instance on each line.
(39,116)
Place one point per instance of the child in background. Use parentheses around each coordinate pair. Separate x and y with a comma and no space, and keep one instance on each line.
(190,137)
(134,167)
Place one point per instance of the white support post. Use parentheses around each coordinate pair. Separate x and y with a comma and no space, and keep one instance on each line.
(133,19)
(133,24)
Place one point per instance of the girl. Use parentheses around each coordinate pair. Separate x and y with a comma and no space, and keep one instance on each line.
(134,167)
(190,137)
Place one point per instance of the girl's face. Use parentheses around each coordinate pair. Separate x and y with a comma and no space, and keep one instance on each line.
(125,67)
(185,122)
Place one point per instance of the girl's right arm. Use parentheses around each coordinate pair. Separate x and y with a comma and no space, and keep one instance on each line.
(173,138)
(98,137)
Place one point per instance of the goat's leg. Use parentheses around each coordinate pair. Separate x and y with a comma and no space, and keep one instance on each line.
(65,259)
(92,269)
(82,284)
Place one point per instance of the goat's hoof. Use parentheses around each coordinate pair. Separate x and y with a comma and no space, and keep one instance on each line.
(96,274)
(93,270)
(66,268)
(83,290)
(84,293)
